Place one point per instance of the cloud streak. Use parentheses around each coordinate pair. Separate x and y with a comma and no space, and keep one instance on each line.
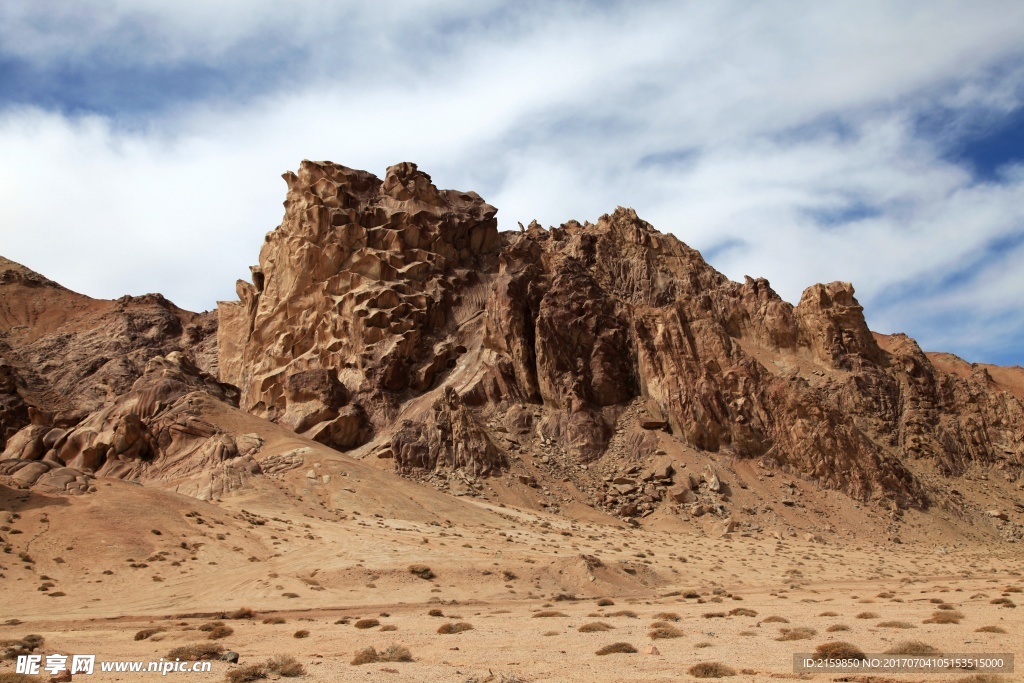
(802,143)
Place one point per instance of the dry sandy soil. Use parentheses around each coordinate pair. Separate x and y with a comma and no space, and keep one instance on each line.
(314,561)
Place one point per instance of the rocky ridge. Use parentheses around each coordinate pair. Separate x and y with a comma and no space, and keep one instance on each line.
(405,302)
(587,366)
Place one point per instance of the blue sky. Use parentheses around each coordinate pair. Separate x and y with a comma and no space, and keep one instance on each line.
(141,142)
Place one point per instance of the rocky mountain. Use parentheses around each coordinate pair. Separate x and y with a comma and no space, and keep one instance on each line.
(600,368)
(389,302)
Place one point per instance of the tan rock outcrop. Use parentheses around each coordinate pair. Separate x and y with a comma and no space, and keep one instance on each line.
(379,301)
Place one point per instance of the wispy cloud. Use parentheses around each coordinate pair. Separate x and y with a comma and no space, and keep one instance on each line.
(140,142)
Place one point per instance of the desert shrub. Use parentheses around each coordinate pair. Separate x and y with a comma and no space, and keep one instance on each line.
(388,627)
(422,571)
(252,672)
(146,633)
(711,670)
(896,624)
(990,629)
(395,653)
(664,631)
(742,612)
(289,595)
(605,602)
(218,632)
(454,627)
(798,633)
(548,613)
(594,626)
(944,618)
(867,615)
(623,613)
(33,641)
(367,623)
(714,615)
(835,628)
(210,625)
(913,647)
(242,613)
(286,666)
(196,651)
(365,656)
(302,633)
(616,648)
(667,616)
(435,613)
(691,595)
(274,620)
(945,606)
(839,649)
(829,614)
(775,620)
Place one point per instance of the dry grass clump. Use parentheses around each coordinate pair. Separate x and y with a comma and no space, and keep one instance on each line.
(714,615)
(393,653)
(218,632)
(839,649)
(367,623)
(367,655)
(834,628)
(798,633)
(605,602)
(196,651)
(242,613)
(667,616)
(147,632)
(711,670)
(273,620)
(285,666)
(454,627)
(422,571)
(302,633)
(775,620)
(548,613)
(251,672)
(210,625)
(867,615)
(594,626)
(435,613)
(895,624)
(388,627)
(990,629)
(945,606)
(742,612)
(944,618)
(913,647)
(623,613)
(616,648)
(829,614)
(660,629)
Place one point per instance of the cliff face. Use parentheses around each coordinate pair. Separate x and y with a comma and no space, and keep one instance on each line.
(390,310)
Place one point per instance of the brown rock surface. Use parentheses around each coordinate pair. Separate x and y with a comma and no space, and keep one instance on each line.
(70,352)
(384,297)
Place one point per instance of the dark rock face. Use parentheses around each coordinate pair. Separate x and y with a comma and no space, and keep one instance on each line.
(379,301)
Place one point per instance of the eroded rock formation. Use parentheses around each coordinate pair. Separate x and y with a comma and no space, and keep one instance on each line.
(383,302)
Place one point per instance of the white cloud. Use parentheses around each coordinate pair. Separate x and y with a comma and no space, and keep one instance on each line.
(779,114)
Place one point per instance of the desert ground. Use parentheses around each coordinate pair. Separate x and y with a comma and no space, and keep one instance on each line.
(284,574)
